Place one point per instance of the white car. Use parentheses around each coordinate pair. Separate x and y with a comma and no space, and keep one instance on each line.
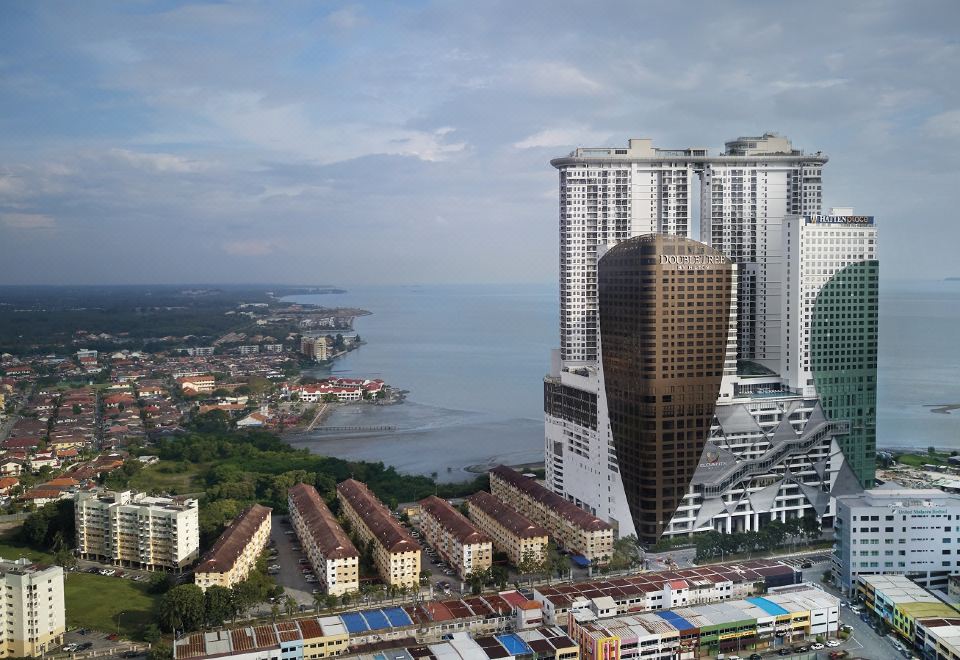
(833,643)
(817,647)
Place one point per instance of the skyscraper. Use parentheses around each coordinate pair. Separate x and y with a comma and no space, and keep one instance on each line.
(767,446)
(666,306)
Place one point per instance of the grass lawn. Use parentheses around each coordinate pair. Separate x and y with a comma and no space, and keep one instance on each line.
(93,601)
(11,549)
(171,477)
(919,460)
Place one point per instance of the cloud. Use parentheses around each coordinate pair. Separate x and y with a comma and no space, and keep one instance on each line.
(27,221)
(554,78)
(562,137)
(158,162)
(945,124)
(345,18)
(251,247)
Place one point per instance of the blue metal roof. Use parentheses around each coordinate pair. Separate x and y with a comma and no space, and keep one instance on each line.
(375,619)
(397,617)
(675,620)
(580,560)
(514,644)
(768,606)
(354,622)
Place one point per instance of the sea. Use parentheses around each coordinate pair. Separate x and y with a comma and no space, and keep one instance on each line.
(473,357)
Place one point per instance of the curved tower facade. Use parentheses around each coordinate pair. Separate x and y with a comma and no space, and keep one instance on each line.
(665,311)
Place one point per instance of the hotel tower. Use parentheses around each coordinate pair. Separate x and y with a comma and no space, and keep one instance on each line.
(710,384)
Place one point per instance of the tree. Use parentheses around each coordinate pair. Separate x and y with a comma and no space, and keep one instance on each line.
(626,553)
(499,576)
(161,651)
(151,633)
(65,558)
(810,526)
(182,608)
(220,605)
(932,451)
(345,599)
(290,605)
(529,564)
(159,583)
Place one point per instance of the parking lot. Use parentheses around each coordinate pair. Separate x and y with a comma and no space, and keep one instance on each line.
(289,573)
(83,643)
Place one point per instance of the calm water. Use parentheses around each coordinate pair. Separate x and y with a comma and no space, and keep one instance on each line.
(473,358)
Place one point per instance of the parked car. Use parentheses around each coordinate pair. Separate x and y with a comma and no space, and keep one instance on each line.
(833,643)
(817,646)
(69,648)
(756,656)
(85,646)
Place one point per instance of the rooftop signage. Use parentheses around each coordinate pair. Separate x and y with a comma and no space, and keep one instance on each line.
(866,220)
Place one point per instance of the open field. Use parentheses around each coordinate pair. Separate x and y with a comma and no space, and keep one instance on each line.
(94,601)
(11,549)
(172,477)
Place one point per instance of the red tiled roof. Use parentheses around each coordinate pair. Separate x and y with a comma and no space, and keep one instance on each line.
(570,511)
(326,532)
(235,538)
(388,532)
(453,521)
(514,521)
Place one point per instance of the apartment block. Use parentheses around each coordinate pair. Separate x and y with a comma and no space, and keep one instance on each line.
(911,532)
(234,555)
(455,538)
(135,529)
(34,617)
(395,552)
(512,532)
(572,527)
(335,560)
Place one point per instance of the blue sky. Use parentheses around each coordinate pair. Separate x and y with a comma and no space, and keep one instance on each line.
(329,142)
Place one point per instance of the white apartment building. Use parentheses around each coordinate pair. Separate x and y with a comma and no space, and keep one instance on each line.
(135,529)
(234,555)
(456,539)
(395,552)
(889,530)
(334,559)
(34,617)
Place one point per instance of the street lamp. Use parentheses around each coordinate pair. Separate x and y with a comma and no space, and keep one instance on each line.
(118,621)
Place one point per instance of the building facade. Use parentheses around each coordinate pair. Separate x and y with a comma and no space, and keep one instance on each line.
(666,310)
(235,553)
(911,532)
(395,552)
(569,525)
(457,540)
(34,614)
(774,620)
(512,532)
(134,529)
(334,559)
(778,442)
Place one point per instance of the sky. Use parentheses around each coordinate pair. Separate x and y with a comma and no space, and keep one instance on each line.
(376,143)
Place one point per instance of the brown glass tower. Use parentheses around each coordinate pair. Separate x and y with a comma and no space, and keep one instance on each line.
(664,307)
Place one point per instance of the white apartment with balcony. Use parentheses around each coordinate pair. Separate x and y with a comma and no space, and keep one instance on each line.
(138,530)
